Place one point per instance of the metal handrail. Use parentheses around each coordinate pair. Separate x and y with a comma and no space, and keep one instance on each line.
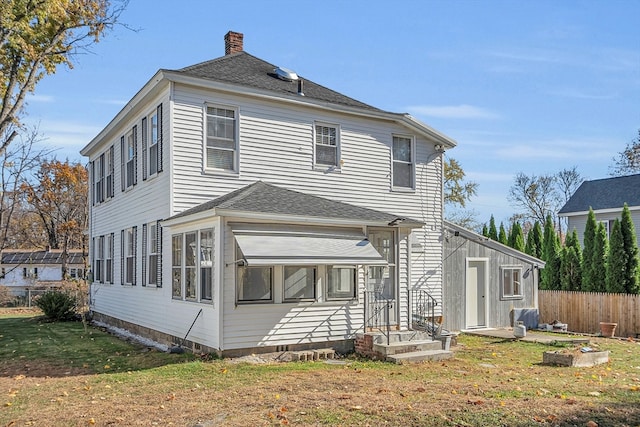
(423,312)
(378,310)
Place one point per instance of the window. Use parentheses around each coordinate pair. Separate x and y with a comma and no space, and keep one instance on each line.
(109,170)
(129,243)
(403,168)
(608,225)
(192,264)
(3,273)
(206,264)
(382,278)
(30,272)
(221,147)
(99,260)
(153,252)
(299,283)
(152,143)
(511,282)
(129,157)
(254,284)
(327,145)
(109,259)
(99,179)
(341,282)
(176,266)
(190,254)
(76,273)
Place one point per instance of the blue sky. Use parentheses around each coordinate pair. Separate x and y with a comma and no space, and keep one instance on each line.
(522,86)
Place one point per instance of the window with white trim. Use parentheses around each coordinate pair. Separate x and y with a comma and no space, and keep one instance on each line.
(176,266)
(299,283)
(206,264)
(403,169)
(108,264)
(98,179)
(129,158)
(221,139)
(192,264)
(109,171)
(511,281)
(99,260)
(30,272)
(327,145)
(254,284)
(341,282)
(153,143)
(129,252)
(153,253)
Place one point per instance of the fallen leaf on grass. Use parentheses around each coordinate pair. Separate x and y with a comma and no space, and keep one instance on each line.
(591,424)
(356,408)
(421,389)
(475,402)
(594,393)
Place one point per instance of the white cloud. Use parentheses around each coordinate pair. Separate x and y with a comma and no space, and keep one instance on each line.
(462,111)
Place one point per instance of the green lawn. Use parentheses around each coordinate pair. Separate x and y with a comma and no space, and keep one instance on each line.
(69,374)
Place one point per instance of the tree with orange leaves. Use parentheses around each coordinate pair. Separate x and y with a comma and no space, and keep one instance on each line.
(59,199)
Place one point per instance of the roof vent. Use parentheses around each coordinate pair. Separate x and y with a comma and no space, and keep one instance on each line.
(285,74)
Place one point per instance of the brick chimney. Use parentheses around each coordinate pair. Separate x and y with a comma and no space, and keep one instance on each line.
(233,42)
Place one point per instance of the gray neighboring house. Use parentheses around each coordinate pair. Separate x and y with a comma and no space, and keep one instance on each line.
(606,197)
(25,269)
(487,284)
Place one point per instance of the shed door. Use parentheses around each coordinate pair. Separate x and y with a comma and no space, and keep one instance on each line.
(475,296)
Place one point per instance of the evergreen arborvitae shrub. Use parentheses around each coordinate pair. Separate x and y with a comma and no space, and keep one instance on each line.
(588,280)
(502,235)
(493,231)
(57,305)
(599,260)
(631,248)
(617,261)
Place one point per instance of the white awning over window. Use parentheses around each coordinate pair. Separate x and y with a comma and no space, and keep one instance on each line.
(269,245)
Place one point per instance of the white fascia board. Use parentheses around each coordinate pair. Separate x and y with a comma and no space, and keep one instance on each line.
(268,217)
(135,104)
(403,119)
(598,211)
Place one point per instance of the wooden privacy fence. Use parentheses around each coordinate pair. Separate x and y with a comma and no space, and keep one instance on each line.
(583,311)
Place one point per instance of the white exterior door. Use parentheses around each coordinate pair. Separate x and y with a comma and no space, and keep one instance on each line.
(382,280)
(476,302)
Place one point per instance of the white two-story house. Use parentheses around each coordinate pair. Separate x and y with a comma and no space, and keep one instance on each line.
(255,210)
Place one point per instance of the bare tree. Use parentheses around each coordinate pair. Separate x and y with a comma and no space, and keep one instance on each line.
(535,195)
(627,161)
(18,165)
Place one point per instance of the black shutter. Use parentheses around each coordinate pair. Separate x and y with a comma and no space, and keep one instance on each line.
(93,259)
(159,139)
(159,252)
(144,254)
(122,264)
(135,154)
(123,169)
(112,250)
(145,160)
(110,184)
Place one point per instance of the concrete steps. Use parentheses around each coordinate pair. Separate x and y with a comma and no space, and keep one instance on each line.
(420,356)
(408,347)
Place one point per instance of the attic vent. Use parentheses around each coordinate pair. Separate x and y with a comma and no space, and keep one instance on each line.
(285,74)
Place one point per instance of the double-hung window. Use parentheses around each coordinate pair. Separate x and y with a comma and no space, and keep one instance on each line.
(327,145)
(511,282)
(99,260)
(403,172)
(221,145)
(154,255)
(99,179)
(108,265)
(129,244)
(129,158)
(153,144)
(341,282)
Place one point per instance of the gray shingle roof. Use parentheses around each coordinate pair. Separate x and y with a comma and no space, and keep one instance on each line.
(244,69)
(266,198)
(607,193)
(40,257)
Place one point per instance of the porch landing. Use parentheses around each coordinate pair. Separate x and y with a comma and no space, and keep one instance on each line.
(402,347)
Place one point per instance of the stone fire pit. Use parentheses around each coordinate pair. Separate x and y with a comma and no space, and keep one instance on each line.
(575,357)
